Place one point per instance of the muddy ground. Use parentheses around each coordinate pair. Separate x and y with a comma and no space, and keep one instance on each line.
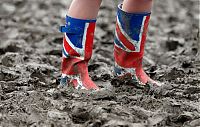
(30,55)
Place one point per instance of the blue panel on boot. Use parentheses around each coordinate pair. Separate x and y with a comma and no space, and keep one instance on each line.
(131,22)
(74,30)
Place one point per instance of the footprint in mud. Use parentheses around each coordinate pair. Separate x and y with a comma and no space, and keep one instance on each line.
(8,75)
(80,115)
(8,87)
(10,59)
(172,45)
(104,94)
(12,46)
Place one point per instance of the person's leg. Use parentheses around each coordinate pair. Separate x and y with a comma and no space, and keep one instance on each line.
(78,43)
(137,6)
(84,9)
(130,36)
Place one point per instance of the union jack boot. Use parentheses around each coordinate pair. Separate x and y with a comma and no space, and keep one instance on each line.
(77,51)
(129,43)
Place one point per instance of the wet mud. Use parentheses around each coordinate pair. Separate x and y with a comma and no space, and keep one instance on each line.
(30,56)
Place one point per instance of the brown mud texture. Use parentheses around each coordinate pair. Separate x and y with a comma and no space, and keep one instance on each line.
(30,57)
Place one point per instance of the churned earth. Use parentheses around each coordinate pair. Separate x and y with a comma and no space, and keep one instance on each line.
(30,56)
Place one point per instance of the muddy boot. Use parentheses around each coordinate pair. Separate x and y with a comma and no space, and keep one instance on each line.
(77,51)
(129,42)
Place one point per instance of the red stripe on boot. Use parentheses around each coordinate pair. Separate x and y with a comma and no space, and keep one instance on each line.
(89,41)
(123,39)
(144,33)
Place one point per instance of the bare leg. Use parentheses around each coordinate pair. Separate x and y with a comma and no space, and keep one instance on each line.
(137,5)
(84,9)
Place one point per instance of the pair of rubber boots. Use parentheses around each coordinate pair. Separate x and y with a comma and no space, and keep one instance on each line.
(129,42)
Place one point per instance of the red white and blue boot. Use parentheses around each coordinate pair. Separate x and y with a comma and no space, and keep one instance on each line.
(129,43)
(77,51)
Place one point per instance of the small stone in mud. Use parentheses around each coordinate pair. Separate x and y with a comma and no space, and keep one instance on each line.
(156,120)
(122,123)
(8,7)
(55,94)
(54,114)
